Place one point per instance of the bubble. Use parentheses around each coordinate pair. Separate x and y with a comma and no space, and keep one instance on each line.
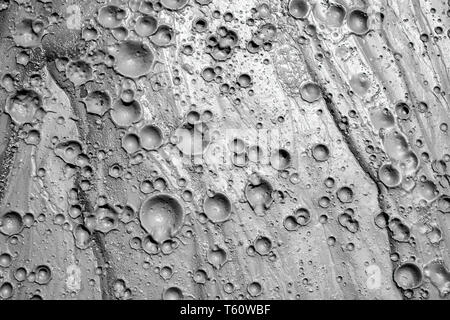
(11,223)
(5,260)
(254,289)
(6,290)
(43,274)
(244,80)
(217,208)
(345,194)
(133,59)
(161,216)
(111,16)
(302,216)
(280,159)
(23,105)
(28,33)
(78,72)
(389,175)
(298,9)
(320,152)
(259,194)
(172,293)
(263,245)
(357,21)
(400,231)
(163,36)
(125,114)
(290,223)
(408,276)
(97,102)
(310,91)
(217,257)
(130,142)
(146,25)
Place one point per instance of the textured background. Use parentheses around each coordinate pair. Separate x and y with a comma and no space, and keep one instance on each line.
(224,149)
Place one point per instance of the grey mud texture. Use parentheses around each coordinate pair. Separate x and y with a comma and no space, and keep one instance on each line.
(224,149)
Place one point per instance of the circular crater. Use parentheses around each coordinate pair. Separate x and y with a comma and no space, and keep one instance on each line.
(146,26)
(389,175)
(217,208)
(110,16)
(131,143)
(151,137)
(298,9)
(408,276)
(357,21)
(79,72)
(22,106)
(125,114)
(263,245)
(161,216)
(163,36)
(174,4)
(97,102)
(310,91)
(345,194)
(43,274)
(320,152)
(11,223)
(280,159)
(172,293)
(133,59)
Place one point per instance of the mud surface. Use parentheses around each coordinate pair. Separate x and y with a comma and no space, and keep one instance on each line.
(222,149)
